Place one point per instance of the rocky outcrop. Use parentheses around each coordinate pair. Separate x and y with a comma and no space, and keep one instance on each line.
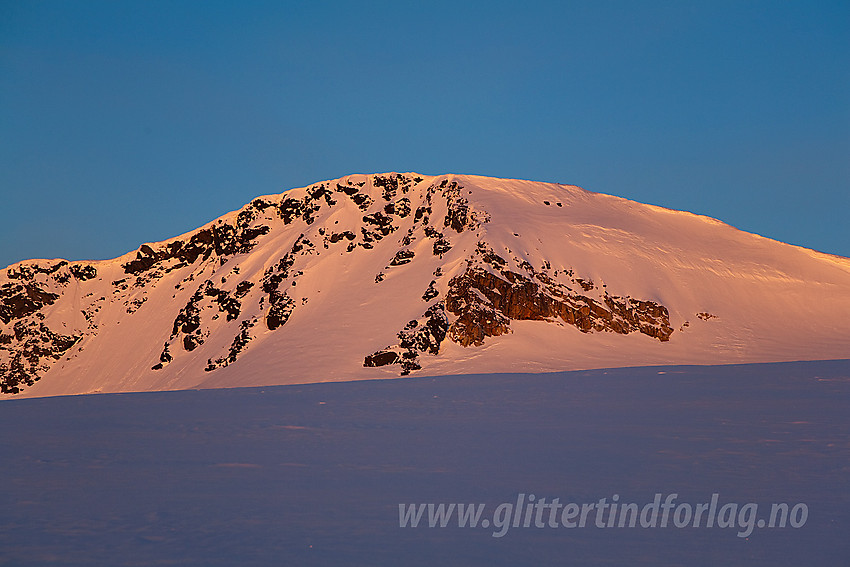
(431,292)
(188,324)
(280,308)
(28,272)
(28,346)
(20,300)
(423,335)
(280,305)
(222,239)
(485,303)
(37,348)
(484,299)
(441,243)
(402,257)
(459,215)
(237,346)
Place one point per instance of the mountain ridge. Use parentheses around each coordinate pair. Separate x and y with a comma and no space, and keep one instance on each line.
(463,269)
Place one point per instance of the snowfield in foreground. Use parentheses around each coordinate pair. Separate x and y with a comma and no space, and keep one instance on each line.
(314,474)
(377,276)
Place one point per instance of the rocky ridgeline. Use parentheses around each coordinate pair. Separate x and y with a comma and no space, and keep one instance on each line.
(473,305)
(385,201)
(29,347)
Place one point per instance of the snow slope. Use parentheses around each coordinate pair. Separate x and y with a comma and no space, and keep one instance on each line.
(373,276)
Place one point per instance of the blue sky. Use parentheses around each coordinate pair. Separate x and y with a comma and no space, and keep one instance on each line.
(130,122)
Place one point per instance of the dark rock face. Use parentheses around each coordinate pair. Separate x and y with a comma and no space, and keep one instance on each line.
(290,209)
(164,358)
(237,346)
(423,335)
(338,236)
(188,322)
(222,239)
(441,243)
(20,300)
(459,216)
(363,201)
(421,213)
(431,292)
(381,222)
(485,303)
(226,302)
(379,226)
(476,319)
(402,207)
(441,246)
(402,257)
(280,308)
(31,347)
(392,184)
(83,272)
(280,304)
(485,298)
(381,358)
(28,272)
(37,347)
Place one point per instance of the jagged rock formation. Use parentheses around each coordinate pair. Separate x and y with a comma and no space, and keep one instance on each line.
(414,266)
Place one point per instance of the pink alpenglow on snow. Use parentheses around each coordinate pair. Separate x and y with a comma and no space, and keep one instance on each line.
(377,276)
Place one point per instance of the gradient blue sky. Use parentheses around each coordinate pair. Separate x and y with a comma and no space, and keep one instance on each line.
(129,122)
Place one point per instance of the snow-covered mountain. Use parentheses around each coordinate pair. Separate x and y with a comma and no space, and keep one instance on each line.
(372,276)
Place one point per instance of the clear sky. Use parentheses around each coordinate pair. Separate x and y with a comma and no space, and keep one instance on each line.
(129,122)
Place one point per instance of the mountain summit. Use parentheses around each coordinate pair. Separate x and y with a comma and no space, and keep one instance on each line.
(371,276)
